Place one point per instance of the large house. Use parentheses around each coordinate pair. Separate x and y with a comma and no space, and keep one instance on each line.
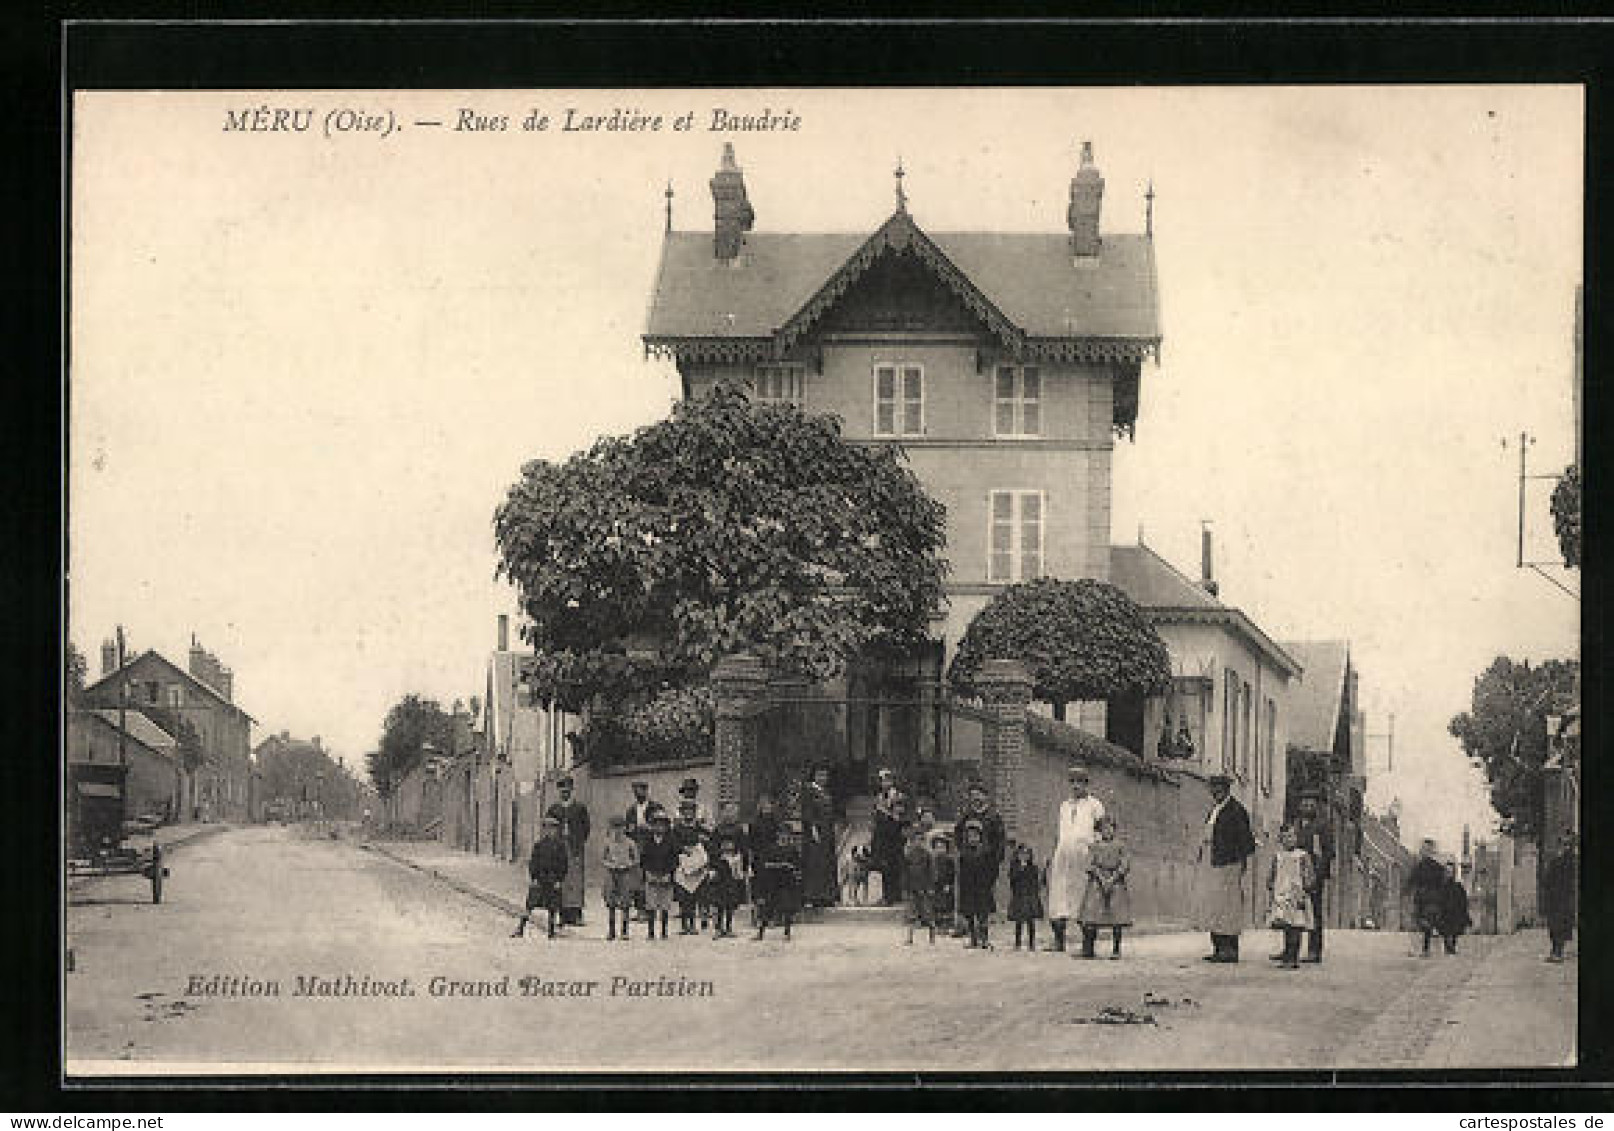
(220,788)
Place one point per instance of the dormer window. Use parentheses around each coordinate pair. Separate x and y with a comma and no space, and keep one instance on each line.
(777,384)
(899,400)
(1017,401)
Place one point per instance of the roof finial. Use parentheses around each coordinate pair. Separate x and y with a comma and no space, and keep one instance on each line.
(902,197)
(669,195)
(1148,210)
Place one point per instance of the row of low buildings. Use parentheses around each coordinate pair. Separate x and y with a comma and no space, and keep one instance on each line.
(1007,366)
(187,745)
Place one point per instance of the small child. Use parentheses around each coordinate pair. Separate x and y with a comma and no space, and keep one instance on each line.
(919,881)
(689,884)
(623,879)
(726,885)
(977,876)
(545,871)
(1289,884)
(1106,902)
(1025,896)
(858,865)
(659,858)
(779,878)
(944,891)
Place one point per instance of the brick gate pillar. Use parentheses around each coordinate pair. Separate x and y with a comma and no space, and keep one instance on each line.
(1005,686)
(739,693)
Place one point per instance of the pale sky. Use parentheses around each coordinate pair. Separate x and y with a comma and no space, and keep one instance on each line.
(306,369)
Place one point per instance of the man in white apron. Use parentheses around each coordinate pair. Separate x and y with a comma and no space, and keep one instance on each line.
(1067,871)
(1224,858)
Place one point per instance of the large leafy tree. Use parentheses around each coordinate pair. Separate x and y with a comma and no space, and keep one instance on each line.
(1082,640)
(411,725)
(1505,731)
(1566,515)
(727,526)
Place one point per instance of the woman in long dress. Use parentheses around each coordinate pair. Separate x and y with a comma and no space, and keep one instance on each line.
(1067,870)
(818,841)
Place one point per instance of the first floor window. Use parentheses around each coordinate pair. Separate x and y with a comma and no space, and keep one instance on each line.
(1015,538)
(899,400)
(1017,401)
(1230,714)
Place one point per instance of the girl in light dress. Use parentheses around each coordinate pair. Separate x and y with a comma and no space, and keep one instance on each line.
(1289,884)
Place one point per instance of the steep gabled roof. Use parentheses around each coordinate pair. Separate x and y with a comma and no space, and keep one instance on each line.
(206,689)
(1022,285)
(138,727)
(1169,597)
(1315,706)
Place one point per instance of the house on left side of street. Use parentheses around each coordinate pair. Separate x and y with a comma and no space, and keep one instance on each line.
(155,786)
(219,787)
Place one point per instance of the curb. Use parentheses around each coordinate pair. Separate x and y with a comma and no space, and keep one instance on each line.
(476,893)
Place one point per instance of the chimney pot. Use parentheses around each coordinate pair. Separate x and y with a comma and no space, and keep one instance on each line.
(504,632)
(1207,572)
(109,657)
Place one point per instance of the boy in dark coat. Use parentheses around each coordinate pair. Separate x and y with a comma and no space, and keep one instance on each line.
(658,859)
(977,875)
(919,881)
(779,881)
(545,871)
(943,900)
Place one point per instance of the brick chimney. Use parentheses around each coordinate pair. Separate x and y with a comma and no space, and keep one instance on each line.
(732,212)
(504,633)
(226,684)
(1086,197)
(198,660)
(109,657)
(1207,572)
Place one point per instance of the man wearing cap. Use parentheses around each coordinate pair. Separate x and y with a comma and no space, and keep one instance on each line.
(638,819)
(1224,858)
(1067,870)
(572,816)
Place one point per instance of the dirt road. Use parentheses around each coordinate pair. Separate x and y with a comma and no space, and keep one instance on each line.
(278,951)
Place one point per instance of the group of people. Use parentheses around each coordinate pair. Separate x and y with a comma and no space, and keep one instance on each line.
(947,881)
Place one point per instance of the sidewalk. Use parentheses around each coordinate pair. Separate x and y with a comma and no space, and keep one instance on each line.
(1516,1009)
(503,885)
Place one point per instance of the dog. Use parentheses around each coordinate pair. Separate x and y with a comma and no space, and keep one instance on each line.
(855,875)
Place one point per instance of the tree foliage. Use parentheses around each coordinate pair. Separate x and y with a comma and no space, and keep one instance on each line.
(1505,731)
(674,725)
(74,672)
(1566,515)
(187,739)
(727,526)
(412,724)
(1081,639)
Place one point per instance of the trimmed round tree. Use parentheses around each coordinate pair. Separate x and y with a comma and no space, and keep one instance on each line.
(729,526)
(1081,640)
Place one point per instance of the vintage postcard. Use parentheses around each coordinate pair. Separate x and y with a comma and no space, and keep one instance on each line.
(837,580)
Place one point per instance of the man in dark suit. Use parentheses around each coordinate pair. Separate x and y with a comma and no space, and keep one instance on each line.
(1224,860)
(1314,835)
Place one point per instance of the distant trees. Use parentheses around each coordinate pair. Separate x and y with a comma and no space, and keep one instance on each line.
(1082,640)
(728,526)
(1566,502)
(1505,731)
(74,672)
(411,725)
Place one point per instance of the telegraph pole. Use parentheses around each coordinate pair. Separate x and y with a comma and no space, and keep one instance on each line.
(1525,440)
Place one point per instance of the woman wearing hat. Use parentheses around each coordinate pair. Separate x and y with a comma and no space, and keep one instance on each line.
(1067,872)
(885,845)
(1224,857)
(818,879)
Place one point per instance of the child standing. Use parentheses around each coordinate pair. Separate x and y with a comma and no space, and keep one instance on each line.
(1289,883)
(977,875)
(623,879)
(944,891)
(1025,896)
(919,881)
(545,870)
(779,881)
(727,885)
(689,883)
(1106,902)
(659,859)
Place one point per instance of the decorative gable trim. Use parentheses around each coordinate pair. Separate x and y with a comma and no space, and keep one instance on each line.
(899,233)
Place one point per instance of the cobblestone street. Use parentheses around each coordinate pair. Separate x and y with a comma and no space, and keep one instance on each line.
(271,905)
